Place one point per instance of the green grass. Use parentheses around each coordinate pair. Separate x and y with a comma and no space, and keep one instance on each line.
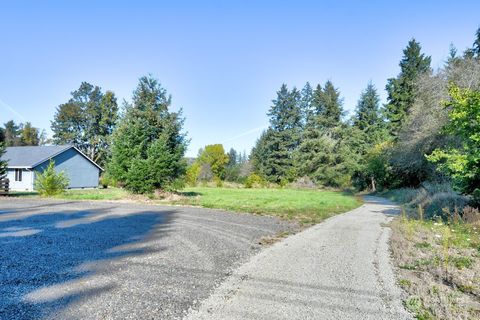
(94,194)
(306,206)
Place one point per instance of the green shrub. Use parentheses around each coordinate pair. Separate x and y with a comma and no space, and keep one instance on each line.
(254,181)
(49,182)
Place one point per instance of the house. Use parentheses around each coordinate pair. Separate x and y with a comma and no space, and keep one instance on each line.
(25,162)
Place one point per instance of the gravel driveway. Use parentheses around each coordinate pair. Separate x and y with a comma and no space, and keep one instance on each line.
(100,260)
(338,269)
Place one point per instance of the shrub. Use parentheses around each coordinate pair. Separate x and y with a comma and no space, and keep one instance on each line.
(49,182)
(254,181)
(303,183)
(192,174)
(444,205)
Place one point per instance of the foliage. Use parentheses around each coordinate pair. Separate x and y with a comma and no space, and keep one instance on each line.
(21,134)
(3,164)
(255,181)
(148,144)
(214,156)
(402,89)
(87,121)
(192,174)
(49,182)
(272,155)
(462,162)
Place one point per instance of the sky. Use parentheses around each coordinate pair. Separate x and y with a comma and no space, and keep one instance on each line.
(222,61)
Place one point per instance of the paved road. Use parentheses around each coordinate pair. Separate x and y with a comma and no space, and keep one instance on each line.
(339,269)
(93,260)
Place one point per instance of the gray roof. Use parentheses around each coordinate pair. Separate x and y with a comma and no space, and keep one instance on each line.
(31,156)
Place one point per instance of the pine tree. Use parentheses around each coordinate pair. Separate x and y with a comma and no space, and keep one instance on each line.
(402,89)
(272,156)
(12,134)
(3,163)
(368,109)
(306,103)
(326,107)
(148,144)
(476,44)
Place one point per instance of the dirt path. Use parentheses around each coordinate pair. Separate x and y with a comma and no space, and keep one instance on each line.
(339,269)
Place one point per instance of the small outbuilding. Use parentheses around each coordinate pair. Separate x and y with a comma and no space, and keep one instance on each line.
(25,162)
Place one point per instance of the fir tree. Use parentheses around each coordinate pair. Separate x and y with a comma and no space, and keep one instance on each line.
(3,163)
(306,103)
(148,144)
(368,109)
(272,155)
(402,89)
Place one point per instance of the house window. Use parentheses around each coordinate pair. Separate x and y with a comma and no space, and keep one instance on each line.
(18,174)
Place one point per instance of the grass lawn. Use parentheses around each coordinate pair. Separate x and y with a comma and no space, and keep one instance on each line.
(306,206)
(94,194)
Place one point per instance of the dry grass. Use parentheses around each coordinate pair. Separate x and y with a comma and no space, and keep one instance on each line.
(439,267)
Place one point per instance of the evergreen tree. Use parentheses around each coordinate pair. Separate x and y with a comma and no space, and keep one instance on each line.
(148,145)
(272,156)
(233,157)
(306,102)
(326,107)
(87,121)
(367,114)
(402,89)
(476,44)
(12,134)
(3,163)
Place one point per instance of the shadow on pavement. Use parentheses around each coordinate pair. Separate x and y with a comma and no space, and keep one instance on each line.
(46,249)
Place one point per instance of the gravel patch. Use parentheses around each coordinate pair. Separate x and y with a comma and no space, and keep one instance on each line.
(100,260)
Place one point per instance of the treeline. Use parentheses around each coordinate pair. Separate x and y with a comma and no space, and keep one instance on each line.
(427,131)
(22,134)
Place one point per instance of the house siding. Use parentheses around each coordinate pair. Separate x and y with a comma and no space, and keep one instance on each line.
(27,180)
(81,172)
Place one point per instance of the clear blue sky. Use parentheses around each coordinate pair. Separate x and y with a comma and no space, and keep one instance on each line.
(222,61)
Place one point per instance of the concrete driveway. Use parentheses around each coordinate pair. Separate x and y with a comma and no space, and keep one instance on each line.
(100,260)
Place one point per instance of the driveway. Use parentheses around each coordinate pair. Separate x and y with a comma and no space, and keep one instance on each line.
(100,260)
(338,269)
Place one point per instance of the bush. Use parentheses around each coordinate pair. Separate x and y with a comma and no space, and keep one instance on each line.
(303,183)
(436,200)
(106,180)
(49,182)
(254,181)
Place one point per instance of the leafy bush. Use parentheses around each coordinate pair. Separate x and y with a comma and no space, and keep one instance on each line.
(192,174)
(106,180)
(254,181)
(49,182)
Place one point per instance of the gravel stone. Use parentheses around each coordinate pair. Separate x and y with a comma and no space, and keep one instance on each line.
(107,260)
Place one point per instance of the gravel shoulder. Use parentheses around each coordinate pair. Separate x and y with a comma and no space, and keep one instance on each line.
(338,269)
(101,260)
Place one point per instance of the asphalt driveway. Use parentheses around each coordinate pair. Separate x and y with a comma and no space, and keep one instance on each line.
(100,260)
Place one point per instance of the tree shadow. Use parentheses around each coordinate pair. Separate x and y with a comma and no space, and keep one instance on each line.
(189,193)
(44,250)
